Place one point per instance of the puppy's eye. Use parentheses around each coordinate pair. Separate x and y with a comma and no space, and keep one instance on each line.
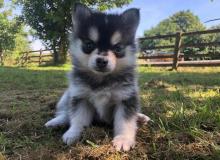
(118,50)
(88,46)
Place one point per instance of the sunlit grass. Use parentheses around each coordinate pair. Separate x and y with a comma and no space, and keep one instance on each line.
(64,67)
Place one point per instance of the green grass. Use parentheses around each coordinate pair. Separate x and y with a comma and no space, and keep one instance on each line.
(184,105)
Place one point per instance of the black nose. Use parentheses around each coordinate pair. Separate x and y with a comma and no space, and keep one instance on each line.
(101,62)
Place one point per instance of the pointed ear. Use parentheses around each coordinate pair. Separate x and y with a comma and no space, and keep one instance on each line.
(80,13)
(131,18)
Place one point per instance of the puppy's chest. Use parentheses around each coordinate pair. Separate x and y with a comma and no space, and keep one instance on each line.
(100,98)
(103,102)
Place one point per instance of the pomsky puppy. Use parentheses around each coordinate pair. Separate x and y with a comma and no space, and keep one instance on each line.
(103,84)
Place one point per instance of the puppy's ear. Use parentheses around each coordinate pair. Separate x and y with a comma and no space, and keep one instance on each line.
(80,13)
(131,18)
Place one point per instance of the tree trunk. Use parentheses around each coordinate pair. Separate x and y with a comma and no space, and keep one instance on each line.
(55,55)
(62,51)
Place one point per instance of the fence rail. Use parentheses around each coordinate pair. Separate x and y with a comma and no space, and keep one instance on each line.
(31,57)
(177,48)
(39,56)
(206,63)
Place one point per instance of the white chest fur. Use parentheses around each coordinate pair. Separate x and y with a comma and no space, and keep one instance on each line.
(101,101)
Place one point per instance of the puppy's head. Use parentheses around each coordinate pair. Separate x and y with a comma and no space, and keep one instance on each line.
(103,43)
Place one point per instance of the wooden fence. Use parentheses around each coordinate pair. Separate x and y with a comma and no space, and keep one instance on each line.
(38,56)
(177,47)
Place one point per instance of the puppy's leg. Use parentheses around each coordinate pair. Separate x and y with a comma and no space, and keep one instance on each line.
(124,129)
(142,119)
(80,117)
(61,117)
(57,121)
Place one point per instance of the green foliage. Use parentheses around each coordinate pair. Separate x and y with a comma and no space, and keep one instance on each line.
(183,21)
(11,28)
(7,31)
(13,38)
(52,20)
(214,38)
(1,3)
(21,42)
(21,45)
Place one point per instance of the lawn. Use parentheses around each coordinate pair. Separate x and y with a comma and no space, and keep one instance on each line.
(184,105)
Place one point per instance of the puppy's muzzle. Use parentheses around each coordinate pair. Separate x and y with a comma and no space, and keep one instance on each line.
(101,64)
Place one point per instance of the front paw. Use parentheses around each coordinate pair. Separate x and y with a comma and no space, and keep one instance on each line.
(123,143)
(50,123)
(142,119)
(57,121)
(70,136)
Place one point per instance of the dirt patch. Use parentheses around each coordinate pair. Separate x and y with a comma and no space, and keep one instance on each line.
(5,116)
(52,105)
(195,150)
(209,127)
(185,138)
(156,84)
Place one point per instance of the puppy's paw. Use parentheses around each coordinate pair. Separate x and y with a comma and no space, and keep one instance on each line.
(57,121)
(70,136)
(123,143)
(142,119)
(51,123)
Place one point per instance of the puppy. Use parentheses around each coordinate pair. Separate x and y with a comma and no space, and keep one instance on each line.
(103,84)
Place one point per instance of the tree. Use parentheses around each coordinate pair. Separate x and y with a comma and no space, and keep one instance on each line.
(215,37)
(8,29)
(22,43)
(51,19)
(215,50)
(1,3)
(183,21)
(13,37)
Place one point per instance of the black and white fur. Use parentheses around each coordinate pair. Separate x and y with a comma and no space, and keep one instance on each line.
(104,90)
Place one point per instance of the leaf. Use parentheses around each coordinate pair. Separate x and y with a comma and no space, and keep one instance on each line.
(92,143)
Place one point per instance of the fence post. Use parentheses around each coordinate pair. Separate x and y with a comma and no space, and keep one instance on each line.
(22,59)
(40,57)
(1,58)
(177,50)
(26,57)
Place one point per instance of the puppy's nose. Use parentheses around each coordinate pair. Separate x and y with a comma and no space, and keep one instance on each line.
(101,62)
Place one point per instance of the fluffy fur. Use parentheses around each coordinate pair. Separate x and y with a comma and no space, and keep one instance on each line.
(103,84)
